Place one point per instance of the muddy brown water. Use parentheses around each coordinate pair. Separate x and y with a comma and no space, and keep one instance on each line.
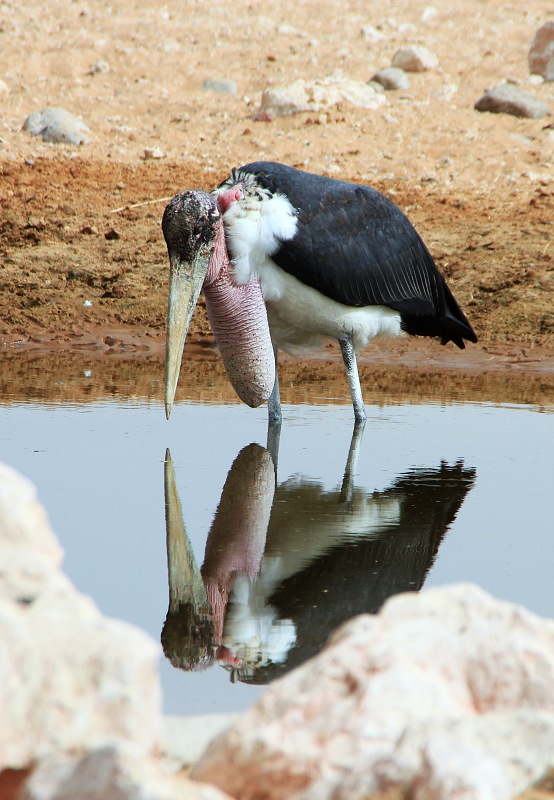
(450,482)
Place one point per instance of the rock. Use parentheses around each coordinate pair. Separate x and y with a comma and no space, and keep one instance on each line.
(541,54)
(392,78)
(153,153)
(110,773)
(71,680)
(4,88)
(99,67)
(446,92)
(429,13)
(225,87)
(371,34)
(319,95)
(434,697)
(415,58)
(57,125)
(508,99)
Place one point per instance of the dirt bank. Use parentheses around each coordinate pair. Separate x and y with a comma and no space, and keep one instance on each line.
(82,270)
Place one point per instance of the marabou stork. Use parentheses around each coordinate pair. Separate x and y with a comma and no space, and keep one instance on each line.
(287,259)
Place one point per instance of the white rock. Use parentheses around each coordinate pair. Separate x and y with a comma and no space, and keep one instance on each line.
(109,773)
(429,13)
(4,88)
(70,680)
(319,95)
(415,58)
(449,693)
(446,92)
(29,551)
(289,30)
(56,125)
(372,35)
(99,67)
(153,153)
(392,78)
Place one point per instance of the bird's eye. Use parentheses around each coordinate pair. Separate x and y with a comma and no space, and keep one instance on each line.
(199,226)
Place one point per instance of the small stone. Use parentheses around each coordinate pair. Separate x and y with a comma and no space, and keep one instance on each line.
(415,58)
(38,223)
(224,87)
(153,153)
(4,88)
(89,230)
(371,35)
(429,13)
(319,95)
(99,67)
(262,116)
(392,78)
(508,99)
(541,54)
(289,30)
(58,126)
(446,92)
(112,235)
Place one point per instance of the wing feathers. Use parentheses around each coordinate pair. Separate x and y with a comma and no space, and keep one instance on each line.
(357,247)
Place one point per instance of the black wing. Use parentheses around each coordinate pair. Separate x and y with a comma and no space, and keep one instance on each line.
(357,247)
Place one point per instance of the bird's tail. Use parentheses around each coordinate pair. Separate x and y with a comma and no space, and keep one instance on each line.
(455,326)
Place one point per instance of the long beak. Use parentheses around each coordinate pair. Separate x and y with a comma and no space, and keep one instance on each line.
(185,284)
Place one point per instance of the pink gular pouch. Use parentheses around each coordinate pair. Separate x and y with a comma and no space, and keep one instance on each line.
(238,320)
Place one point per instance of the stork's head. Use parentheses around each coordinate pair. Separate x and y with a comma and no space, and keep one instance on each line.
(190,225)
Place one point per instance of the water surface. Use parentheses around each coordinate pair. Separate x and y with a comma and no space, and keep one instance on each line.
(439,494)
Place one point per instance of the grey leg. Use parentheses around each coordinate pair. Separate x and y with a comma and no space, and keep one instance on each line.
(351,367)
(274,402)
(274,418)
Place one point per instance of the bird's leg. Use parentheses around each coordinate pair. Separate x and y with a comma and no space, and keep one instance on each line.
(352,462)
(274,402)
(274,417)
(351,367)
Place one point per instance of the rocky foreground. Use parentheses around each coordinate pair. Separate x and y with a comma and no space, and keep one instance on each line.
(449,693)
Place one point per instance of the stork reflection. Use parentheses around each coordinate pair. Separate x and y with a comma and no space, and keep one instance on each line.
(285,564)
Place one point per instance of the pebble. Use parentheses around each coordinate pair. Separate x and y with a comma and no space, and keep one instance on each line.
(415,58)
(58,126)
(371,34)
(4,88)
(508,99)
(392,78)
(429,13)
(318,96)
(99,67)
(224,87)
(541,54)
(153,153)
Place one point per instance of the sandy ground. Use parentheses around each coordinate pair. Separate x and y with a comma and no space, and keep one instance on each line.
(83,274)
(479,187)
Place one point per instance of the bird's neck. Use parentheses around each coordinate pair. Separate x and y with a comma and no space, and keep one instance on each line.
(219,258)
